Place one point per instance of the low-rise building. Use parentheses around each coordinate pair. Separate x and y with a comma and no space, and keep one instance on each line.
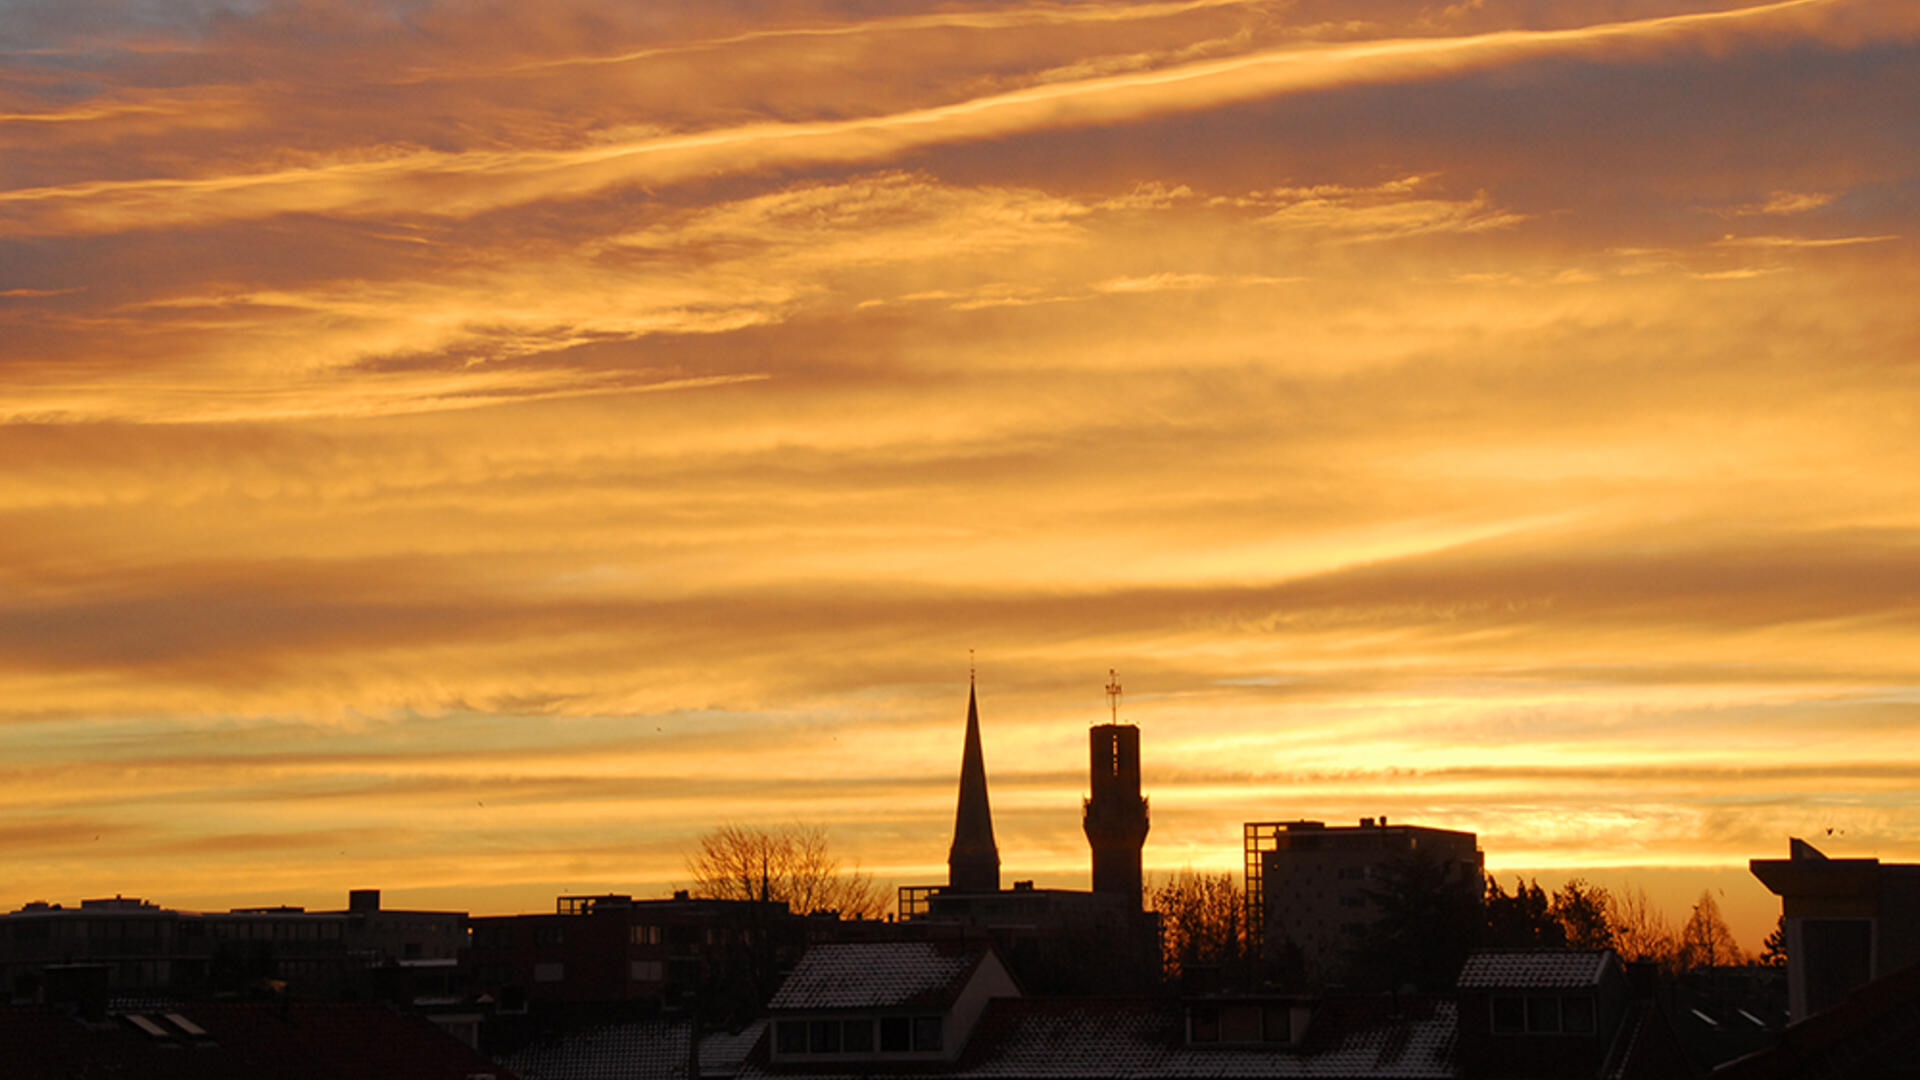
(147,949)
(1558,1014)
(231,1041)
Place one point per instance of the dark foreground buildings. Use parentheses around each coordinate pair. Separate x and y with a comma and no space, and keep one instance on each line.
(142,948)
(233,1041)
(949,1011)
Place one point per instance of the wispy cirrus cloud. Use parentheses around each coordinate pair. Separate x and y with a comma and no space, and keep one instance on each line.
(641,439)
(471,182)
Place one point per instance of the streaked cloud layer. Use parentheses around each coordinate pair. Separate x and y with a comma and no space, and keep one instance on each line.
(470,451)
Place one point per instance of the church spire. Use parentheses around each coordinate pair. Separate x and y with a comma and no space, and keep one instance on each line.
(973,864)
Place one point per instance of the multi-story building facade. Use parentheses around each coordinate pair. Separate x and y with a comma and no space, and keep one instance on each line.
(613,949)
(1314,888)
(145,949)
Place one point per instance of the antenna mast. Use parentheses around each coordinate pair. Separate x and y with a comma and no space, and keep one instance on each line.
(1113,694)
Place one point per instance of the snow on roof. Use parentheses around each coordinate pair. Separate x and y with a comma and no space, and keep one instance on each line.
(1533,969)
(877,975)
(722,1053)
(640,1050)
(1102,1039)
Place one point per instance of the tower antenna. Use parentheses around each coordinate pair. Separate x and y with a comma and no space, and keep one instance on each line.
(1113,694)
(970,667)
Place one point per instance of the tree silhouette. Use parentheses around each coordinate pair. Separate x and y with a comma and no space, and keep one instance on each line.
(1581,911)
(1705,941)
(1774,949)
(1640,932)
(1427,924)
(1524,920)
(1203,922)
(791,864)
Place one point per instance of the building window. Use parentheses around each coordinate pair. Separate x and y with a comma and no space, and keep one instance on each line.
(823,1036)
(1509,1015)
(896,1035)
(1276,1024)
(549,973)
(1203,1025)
(1543,1015)
(644,935)
(1576,1015)
(549,936)
(647,970)
(856,1036)
(926,1033)
(790,1036)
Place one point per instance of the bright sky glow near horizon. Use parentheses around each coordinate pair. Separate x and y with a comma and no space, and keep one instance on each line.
(469,449)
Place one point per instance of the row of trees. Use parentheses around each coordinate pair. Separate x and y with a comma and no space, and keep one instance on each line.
(1424,927)
(1580,915)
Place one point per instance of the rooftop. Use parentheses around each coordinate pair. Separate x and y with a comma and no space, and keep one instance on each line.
(1533,969)
(881,974)
(1110,1039)
(656,1049)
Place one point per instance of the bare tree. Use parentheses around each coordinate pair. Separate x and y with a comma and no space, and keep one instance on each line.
(1640,931)
(791,863)
(1705,941)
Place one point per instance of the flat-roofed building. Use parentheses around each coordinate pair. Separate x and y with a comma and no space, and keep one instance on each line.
(1848,922)
(613,948)
(1311,887)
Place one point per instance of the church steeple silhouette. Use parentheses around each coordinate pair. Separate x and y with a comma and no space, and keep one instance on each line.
(973,864)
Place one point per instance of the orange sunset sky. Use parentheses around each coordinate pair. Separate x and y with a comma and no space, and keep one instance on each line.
(469,449)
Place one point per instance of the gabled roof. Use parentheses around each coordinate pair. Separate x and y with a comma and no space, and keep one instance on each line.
(722,1053)
(1104,1039)
(879,975)
(1534,969)
(639,1050)
(1874,1032)
(1646,1046)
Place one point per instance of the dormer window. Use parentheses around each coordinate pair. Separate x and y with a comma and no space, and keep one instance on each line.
(823,1037)
(843,1037)
(1543,1014)
(790,1036)
(1576,1015)
(1240,1023)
